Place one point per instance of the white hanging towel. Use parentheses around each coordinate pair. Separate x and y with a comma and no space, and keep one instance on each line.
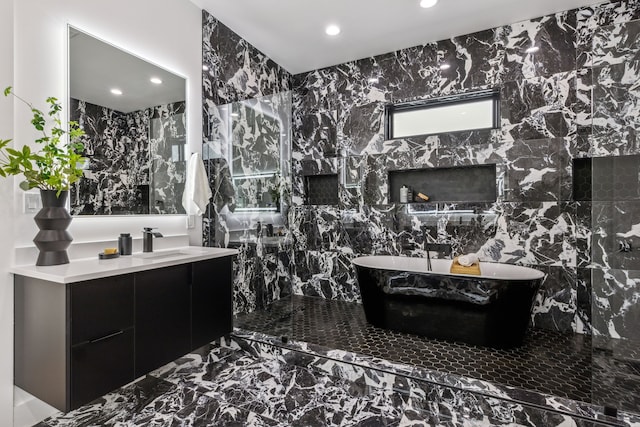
(196,188)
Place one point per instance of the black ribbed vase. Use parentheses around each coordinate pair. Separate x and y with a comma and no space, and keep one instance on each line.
(53,239)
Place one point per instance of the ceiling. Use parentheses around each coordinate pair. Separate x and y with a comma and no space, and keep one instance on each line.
(291,32)
(95,67)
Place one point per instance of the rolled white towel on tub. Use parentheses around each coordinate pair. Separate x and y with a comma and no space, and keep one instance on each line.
(468,260)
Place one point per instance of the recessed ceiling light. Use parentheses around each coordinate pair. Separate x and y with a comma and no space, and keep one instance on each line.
(445,66)
(428,3)
(205,68)
(116,91)
(155,80)
(332,30)
(532,49)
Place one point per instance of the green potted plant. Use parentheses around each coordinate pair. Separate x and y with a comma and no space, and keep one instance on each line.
(52,167)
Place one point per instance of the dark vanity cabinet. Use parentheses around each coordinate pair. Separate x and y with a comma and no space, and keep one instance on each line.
(75,342)
(212,308)
(163,316)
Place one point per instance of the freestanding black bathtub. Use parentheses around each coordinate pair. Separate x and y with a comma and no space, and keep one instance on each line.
(492,309)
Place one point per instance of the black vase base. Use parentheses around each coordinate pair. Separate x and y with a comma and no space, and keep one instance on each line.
(47,258)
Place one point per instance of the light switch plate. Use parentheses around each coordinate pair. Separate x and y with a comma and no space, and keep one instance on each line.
(32,202)
(191,221)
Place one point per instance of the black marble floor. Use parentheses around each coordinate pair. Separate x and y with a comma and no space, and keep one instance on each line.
(550,363)
(248,383)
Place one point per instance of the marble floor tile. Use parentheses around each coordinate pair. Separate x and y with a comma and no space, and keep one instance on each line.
(244,382)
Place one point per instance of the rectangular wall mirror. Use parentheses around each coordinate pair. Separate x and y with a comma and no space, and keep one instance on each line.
(133,114)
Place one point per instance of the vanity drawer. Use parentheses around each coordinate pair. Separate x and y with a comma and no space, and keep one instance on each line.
(101,366)
(101,307)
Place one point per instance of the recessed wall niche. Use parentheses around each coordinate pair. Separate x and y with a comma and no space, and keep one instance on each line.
(321,189)
(455,184)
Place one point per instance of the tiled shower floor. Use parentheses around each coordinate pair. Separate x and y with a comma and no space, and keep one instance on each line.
(548,362)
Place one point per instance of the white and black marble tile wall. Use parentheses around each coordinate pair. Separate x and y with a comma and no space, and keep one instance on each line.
(243,93)
(167,151)
(236,70)
(615,274)
(116,180)
(547,99)
(136,160)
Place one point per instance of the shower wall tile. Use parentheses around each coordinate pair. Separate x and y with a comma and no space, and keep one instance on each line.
(315,91)
(540,234)
(616,44)
(362,82)
(591,19)
(584,101)
(554,108)
(261,275)
(552,102)
(538,170)
(583,224)
(539,107)
(237,70)
(583,323)
(362,128)
(616,109)
(616,303)
(326,274)
(314,135)
(411,73)
(476,61)
(553,34)
(616,238)
(555,305)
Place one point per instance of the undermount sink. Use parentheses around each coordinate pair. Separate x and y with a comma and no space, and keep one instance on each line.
(160,254)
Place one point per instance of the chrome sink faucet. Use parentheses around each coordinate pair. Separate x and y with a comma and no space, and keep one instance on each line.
(147,238)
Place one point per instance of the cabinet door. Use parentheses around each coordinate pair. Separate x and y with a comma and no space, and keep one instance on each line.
(163,316)
(101,307)
(212,304)
(100,366)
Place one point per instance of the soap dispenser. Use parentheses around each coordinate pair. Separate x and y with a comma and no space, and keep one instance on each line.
(125,244)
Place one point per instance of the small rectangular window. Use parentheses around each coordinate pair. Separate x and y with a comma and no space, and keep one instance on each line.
(470,111)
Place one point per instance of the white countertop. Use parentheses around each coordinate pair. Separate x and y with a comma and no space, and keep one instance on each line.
(94,268)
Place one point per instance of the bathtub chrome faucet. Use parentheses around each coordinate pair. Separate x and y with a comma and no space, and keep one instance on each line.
(147,239)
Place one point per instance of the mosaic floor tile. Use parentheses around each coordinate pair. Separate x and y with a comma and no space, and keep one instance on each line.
(548,362)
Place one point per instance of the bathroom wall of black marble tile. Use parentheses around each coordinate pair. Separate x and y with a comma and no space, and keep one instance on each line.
(573,98)
(136,160)
(233,71)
